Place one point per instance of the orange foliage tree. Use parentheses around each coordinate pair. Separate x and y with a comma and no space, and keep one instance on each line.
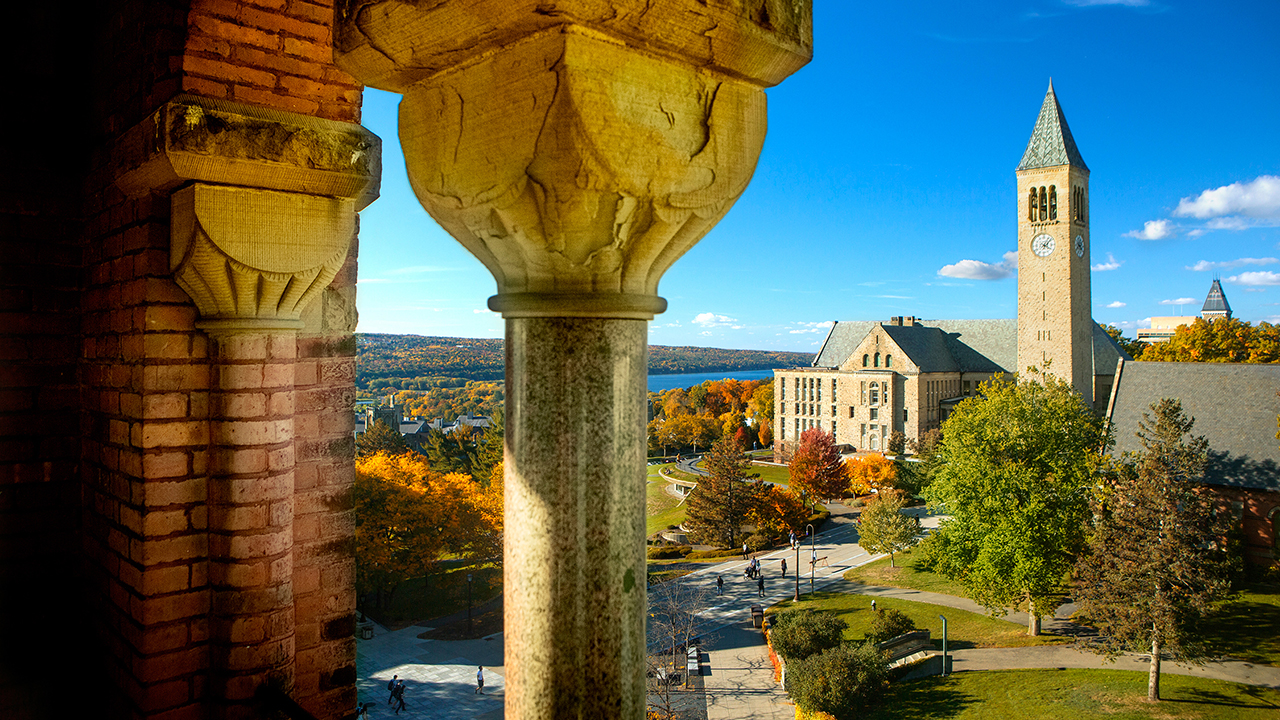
(1222,340)
(777,511)
(816,470)
(410,517)
(870,472)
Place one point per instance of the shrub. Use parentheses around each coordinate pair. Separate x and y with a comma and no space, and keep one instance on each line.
(889,624)
(706,554)
(818,519)
(668,552)
(857,502)
(759,542)
(842,681)
(798,634)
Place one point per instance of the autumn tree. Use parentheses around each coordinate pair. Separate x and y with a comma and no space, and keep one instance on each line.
(408,517)
(1017,467)
(872,471)
(777,510)
(816,470)
(1219,340)
(1135,348)
(1157,559)
(885,528)
(762,402)
(897,442)
(380,438)
(722,500)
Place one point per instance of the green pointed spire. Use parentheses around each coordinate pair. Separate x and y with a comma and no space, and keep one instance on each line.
(1051,143)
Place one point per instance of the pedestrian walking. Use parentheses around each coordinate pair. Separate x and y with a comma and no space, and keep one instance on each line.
(760,585)
(719,584)
(391,688)
(479,679)
(784,567)
(873,605)
(744,551)
(399,696)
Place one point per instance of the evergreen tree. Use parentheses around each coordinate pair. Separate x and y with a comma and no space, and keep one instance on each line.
(816,470)
(1016,468)
(453,452)
(1157,558)
(884,528)
(722,500)
(380,437)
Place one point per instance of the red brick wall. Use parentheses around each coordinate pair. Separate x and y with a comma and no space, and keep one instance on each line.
(276,53)
(1256,510)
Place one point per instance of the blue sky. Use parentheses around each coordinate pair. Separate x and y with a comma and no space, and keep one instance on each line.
(890,163)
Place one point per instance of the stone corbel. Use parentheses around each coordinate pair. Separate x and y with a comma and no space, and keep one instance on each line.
(253,258)
(264,204)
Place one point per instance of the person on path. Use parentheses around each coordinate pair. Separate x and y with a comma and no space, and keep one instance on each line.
(873,605)
(399,696)
(391,688)
(719,584)
(760,585)
(479,679)
(784,567)
(744,551)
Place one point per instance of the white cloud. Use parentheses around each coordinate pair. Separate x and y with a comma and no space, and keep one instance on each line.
(709,320)
(1154,230)
(1110,264)
(1179,301)
(1229,223)
(1116,304)
(1204,265)
(811,327)
(1144,323)
(978,270)
(1258,198)
(1256,277)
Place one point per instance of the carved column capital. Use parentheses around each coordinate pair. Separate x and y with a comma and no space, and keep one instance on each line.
(577,153)
(251,258)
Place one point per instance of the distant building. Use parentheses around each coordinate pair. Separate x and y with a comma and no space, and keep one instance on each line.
(1163,328)
(1216,305)
(871,379)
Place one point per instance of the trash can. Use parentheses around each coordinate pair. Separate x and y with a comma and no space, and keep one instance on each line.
(366,632)
(757,616)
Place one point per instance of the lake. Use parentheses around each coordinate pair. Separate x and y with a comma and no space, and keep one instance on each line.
(658,383)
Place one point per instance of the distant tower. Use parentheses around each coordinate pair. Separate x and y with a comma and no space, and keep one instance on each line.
(1055,320)
(1216,305)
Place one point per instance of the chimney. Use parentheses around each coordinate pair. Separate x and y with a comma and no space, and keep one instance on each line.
(896,320)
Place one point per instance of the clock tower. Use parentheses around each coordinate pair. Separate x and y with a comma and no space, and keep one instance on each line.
(1055,317)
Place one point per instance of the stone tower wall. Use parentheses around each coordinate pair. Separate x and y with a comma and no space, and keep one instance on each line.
(1054,315)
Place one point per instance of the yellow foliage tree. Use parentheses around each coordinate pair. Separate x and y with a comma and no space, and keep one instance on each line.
(870,472)
(410,517)
(777,511)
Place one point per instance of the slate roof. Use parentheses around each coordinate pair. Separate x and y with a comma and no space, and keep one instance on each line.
(1217,300)
(1234,406)
(956,345)
(1051,143)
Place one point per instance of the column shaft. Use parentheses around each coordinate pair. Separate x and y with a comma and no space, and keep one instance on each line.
(574,558)
(251,516)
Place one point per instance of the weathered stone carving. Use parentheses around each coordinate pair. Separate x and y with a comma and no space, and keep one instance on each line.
(256,257)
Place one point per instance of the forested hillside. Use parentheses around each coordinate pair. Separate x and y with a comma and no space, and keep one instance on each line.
(419,362)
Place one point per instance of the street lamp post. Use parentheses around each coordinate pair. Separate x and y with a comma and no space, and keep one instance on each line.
(796,544)
(468,603)
(813,558)
(944,645)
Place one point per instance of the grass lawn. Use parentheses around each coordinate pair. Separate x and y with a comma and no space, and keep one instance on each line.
(773,474)
(1072,694)
(964,629)
(441,594)
(661,508)
(1248,628)
(905,575)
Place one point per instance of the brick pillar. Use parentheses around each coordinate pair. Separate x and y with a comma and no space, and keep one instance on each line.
(251,487)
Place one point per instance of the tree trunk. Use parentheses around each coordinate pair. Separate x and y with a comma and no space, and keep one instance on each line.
(1033,619)
(1153,680)
(891,560)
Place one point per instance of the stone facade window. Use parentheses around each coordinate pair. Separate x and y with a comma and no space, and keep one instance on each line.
(850,411)
(875,413)
(877,361)
(833,392)
(888,361)
(875,394)
(1053,202)
(865,359)
(1044,204)
(864,392)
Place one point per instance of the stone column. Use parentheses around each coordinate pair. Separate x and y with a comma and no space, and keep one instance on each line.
(578,149)
(263,215)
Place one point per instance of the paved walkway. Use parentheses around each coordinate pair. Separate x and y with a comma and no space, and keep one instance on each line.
(739,683)
(439,675)
(1062,656)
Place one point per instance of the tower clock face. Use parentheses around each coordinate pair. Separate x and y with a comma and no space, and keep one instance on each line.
(1079,246)
(1042,245)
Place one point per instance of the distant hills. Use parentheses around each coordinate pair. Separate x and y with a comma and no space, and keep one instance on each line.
(418,357)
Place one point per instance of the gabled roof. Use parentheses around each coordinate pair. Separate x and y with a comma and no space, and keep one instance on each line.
(1234,406)
(971,345)
(1216,301)
(1051,143)
(1106,351)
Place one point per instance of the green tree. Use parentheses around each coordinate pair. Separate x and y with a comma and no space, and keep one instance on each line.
(799,633)
(1157,556)
(842,682)
(453,452)
(380,438)
(1135,348)
(722,500)
(1017,467)
(815,469)
(489,448)
(884,528)
(889,623)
